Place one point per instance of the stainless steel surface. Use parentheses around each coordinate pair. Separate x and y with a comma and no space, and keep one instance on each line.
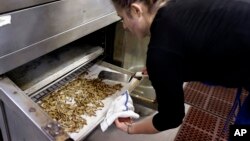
(39,30)
(36,29)
(145,88)
(131,52)
(5,135)
(108,75)
(114,134)
(11,5)
(51,87)
(53,66)
(22,111)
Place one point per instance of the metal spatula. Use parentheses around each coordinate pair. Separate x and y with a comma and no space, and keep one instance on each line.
(115,76)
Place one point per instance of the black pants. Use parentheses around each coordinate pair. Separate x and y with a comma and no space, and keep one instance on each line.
(243,117)
(1,137)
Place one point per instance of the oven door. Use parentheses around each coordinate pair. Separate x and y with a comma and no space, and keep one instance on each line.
(22,90)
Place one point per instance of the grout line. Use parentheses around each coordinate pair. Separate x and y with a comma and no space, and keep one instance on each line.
(216,130)
(208,98)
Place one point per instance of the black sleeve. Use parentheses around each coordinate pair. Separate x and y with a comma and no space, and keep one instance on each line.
(164,70)
(165,66)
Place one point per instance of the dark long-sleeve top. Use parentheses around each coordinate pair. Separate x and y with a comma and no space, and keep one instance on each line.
(196,40)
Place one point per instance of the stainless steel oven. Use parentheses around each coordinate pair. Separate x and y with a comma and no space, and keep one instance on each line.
(45,45)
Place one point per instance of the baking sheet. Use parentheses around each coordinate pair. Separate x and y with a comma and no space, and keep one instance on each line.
(93,122)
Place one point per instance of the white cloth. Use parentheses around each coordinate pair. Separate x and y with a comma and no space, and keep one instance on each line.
(122,106)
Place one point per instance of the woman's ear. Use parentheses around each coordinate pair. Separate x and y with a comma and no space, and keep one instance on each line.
(136,10)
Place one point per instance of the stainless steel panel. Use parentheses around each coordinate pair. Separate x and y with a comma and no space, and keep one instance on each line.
(53,66)
(131,53)
(41,29)
(10,5)
(4,125)
(25,119)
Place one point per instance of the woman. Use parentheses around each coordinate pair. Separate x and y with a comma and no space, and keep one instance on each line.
(190,40)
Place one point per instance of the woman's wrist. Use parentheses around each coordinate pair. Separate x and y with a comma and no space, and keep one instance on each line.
(129,126)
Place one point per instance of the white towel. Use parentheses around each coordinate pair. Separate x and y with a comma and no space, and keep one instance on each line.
(122,106)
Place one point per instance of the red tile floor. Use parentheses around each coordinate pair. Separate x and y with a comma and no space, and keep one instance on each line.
(206,117)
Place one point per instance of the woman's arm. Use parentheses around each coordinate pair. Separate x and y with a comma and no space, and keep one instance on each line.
(143,126)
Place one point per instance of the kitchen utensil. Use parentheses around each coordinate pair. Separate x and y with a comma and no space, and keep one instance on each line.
(109,75)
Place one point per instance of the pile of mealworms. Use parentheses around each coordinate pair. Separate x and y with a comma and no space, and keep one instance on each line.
(82,96)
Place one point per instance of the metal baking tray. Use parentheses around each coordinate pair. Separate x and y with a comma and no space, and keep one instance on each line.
(92,121)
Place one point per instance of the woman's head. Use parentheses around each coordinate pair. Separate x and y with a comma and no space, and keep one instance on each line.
(137,15)
(127,3)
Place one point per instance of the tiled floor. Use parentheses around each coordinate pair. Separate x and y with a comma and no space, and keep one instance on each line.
(210,106)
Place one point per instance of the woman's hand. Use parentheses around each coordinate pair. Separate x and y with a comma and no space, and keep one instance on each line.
(123,123)
(144,71)
(143,126)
